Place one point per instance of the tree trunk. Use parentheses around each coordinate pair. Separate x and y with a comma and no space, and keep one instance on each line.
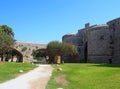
(62,60)
(12,57)
(6,57)
(2,57)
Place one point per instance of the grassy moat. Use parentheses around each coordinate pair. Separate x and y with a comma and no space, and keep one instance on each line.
(10,70)
(72,76)
(85,76)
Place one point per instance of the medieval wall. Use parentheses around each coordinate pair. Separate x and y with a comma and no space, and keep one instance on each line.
(98,43)
(80,35)
(77,40)
(26,49)
(99,38)
(71,38)
(115,25)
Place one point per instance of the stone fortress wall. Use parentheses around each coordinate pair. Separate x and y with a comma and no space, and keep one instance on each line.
(97,43)
(25,49)
(99,38)
(115,25)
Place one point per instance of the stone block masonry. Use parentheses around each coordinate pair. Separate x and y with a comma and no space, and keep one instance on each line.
(25,49)
(97,43)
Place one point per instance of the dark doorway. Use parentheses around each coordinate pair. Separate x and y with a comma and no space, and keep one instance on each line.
(110,61)
(86,51)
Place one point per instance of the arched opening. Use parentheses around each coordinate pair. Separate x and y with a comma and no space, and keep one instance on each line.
(12,56)
(16,56)
(39,55)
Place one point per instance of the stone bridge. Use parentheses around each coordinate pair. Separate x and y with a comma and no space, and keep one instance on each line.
(24,51)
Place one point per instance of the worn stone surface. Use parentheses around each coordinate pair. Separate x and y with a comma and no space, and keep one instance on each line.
(26,49)
(115,25)
(97,43)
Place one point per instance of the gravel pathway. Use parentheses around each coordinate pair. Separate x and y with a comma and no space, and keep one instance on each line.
(35,79)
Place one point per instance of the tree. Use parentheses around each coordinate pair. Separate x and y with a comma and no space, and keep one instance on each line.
(7,30)
(6,40)
(53,48)
(39,55)
(60,48)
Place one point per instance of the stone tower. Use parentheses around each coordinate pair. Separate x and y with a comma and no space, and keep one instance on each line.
(115,25)
(99,50)
(98,43)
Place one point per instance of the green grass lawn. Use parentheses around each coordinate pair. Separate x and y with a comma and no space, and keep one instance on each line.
(9,70)
(86,76)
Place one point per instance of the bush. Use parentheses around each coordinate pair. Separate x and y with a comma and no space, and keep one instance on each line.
(24,49)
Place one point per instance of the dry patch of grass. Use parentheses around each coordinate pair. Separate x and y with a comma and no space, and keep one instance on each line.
(1,63)
(61,80)
(85,76)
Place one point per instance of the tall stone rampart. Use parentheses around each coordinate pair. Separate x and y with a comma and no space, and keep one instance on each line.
(99,38)
(98,43)
(115,25)
(77,40)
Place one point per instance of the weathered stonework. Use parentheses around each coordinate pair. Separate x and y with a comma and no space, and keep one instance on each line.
(115,25)
(98,43)
(25,50)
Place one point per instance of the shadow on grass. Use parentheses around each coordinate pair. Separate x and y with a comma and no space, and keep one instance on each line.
(108,65)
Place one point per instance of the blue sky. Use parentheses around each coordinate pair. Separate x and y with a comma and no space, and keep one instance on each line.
(47,20)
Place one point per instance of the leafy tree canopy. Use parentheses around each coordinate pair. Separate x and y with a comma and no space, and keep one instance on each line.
(6,39)
(60,48)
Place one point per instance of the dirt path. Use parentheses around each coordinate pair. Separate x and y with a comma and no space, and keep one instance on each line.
(35,79)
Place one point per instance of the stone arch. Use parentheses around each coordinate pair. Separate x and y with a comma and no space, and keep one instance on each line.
(40,56)
(41,52)
(16,55)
